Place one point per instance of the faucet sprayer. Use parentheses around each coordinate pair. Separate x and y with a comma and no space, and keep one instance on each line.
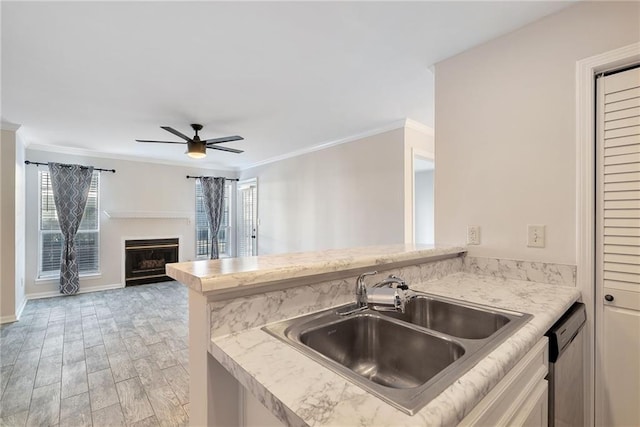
(391,294)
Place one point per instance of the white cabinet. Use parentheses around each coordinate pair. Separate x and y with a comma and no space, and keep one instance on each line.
(520,398)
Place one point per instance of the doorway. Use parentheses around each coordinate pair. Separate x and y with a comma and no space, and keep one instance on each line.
(247,234)
(423,171)
(586,70)
(617,285)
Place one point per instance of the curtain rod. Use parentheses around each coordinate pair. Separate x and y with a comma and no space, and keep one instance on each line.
(47,164)
(228,179)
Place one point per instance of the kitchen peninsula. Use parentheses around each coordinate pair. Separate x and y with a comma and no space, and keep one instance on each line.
(231,356)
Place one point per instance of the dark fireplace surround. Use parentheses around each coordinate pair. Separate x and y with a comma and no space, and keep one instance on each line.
(145,260)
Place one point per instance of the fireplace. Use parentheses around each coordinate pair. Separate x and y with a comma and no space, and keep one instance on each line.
(145,260)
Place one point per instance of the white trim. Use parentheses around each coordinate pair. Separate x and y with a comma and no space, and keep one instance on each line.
(586,69)
(56,293)
(21,308)
(148,215)
(399,124)
(420,127)
(188,162)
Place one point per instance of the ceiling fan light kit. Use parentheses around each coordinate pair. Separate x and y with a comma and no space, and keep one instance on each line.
(197,148)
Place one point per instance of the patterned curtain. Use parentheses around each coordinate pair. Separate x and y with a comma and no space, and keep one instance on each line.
(70,184)
(213,200)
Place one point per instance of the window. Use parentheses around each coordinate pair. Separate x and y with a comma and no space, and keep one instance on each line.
(202,225)
(50,237)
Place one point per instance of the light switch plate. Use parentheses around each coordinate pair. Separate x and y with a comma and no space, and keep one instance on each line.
(473,235)
(535,236)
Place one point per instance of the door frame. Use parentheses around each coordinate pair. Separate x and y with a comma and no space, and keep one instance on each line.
(586,69)
(245,181)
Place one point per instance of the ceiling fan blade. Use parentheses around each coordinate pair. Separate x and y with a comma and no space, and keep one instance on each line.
(162,142)
(224,139)
(230,150)
(176,133)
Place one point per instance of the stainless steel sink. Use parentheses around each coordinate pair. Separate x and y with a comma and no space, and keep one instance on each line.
(383,351)
(405,359)
(456,319)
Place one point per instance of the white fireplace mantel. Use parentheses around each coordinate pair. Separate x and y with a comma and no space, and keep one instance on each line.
(148,215)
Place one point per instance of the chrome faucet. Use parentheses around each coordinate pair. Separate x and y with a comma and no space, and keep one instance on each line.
(388,295)
(391,294)
(392,281)
(361,289)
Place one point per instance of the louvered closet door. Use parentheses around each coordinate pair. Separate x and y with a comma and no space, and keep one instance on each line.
(618,251)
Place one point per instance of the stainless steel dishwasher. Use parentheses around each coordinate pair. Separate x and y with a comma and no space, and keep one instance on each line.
(566,378)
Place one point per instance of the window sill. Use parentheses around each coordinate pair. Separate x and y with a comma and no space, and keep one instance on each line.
(55,279)
(206,258)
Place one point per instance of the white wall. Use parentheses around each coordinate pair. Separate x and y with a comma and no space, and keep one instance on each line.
(505,131)
(347,195)
(424,207)
(135,187)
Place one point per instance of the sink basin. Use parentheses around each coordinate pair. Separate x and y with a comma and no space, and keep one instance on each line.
(382,351)
(405,359)
(458,320)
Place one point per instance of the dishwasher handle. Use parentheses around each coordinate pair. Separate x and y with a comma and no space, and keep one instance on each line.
(564,331)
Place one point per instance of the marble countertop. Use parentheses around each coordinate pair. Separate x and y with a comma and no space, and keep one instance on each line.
(304,392)
(253,274)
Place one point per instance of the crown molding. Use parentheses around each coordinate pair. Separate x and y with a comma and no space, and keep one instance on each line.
(398,124)
(420,127)
(103,155)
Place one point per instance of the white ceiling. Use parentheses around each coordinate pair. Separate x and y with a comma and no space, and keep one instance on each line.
(285,75)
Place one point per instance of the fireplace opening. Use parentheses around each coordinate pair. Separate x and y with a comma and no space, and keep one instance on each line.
(145,260)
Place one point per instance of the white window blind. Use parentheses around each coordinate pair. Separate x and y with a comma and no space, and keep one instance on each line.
(50,238)
(202,225)
(620,177)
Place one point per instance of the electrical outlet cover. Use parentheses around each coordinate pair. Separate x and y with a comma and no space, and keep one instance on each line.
(535,236)
(473,235)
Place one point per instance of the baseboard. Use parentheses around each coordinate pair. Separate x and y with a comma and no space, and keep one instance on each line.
(7,319)
(50,294)
(21,309)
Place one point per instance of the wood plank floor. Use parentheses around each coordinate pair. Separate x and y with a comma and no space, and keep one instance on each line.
(112,358)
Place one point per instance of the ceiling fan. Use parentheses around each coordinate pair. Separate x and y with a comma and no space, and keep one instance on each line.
(196,147)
